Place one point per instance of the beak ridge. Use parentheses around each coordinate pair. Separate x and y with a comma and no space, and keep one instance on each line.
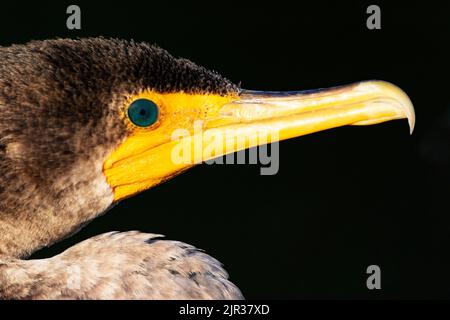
(362,103)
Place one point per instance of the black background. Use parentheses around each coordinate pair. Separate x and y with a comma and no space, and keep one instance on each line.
(343,199)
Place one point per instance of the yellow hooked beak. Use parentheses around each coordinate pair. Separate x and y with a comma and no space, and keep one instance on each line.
(197,127)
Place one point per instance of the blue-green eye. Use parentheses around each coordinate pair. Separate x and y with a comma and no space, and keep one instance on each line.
(143,112)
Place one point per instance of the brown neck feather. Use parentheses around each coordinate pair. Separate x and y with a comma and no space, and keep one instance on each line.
(38,220)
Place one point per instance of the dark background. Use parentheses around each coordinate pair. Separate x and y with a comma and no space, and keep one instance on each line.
(343,199)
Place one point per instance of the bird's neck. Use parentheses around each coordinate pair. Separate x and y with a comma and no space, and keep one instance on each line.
(39,220)
(20,238)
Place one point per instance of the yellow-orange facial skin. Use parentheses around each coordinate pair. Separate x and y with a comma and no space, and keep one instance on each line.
(145,158)
(133,167)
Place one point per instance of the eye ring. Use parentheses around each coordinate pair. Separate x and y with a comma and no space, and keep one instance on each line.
(143,112)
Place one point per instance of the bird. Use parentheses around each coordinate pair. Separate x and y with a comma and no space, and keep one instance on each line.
(86,123)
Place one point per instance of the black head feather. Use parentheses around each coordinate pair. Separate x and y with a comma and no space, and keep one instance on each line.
(59,117)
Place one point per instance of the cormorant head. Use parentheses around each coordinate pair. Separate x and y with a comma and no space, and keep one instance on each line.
(85,123)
